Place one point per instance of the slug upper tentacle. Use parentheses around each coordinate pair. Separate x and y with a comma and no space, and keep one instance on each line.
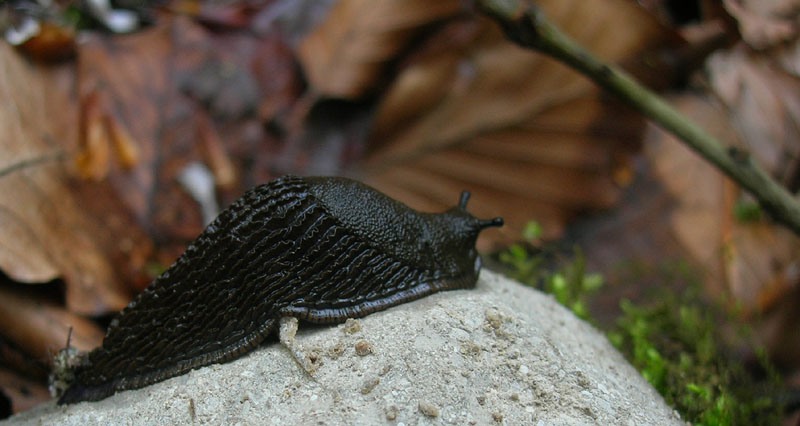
(318,249)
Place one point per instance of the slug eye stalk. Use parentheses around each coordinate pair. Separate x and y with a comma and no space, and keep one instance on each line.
(478,224)
(488,223)
(462,202)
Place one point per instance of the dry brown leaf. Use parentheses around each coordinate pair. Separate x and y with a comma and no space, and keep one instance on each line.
(770,27)
(753,265)
(346,55)
(515,127)
(765,23)
(44,232)
(41,328)
(757,262)
(746,260)
(762,100)
(701,216)
(764,106)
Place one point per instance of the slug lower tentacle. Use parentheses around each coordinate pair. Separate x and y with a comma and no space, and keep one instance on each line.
(320,249)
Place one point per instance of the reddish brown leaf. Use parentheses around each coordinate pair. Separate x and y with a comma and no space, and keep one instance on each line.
(274,69)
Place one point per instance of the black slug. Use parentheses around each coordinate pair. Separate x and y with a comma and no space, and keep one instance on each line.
(319,249)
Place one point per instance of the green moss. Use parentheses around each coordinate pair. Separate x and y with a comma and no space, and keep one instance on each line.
(673,341)
(747,211)
(569,284)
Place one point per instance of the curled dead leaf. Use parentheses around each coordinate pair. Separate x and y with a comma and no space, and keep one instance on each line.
(214,153)
(100,130)
(92,162)
(126,148)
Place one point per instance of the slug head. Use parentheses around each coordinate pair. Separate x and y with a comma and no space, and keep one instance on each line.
(455,250)
(443,243)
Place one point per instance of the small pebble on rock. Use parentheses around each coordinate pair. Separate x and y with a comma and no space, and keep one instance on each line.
(352,326)
(428,409)
(364,348)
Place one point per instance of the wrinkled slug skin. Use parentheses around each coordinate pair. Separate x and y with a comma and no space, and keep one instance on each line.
(320,249)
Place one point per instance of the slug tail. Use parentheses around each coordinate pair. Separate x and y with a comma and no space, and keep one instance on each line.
(79,391)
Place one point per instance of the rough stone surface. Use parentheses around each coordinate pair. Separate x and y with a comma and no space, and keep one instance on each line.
(499,354)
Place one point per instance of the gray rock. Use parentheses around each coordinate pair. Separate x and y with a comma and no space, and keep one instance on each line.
(501,353)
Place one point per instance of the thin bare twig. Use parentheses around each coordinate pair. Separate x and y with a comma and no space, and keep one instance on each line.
(525,24)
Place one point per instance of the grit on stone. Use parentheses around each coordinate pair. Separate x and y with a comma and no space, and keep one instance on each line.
(502,353)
